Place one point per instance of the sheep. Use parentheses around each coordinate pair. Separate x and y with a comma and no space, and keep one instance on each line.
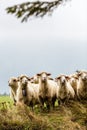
(35,79)
(81,71)
(65,91)
(74,81)
(13,84)
(82,85)
(47,90)
(27,92)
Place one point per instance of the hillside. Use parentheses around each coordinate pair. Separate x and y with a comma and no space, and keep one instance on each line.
(70,117)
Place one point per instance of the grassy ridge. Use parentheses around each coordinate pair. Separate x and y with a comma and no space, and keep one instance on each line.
(70,117)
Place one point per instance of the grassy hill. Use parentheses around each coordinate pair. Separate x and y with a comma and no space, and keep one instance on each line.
(70,117)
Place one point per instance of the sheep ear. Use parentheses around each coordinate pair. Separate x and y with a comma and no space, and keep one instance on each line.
(51,78)
(77,71)
(48,74)
(32,81)
(58,77)
(67,77)
(79,74)
(28,78)
(76,77)
(32,78)
(38,74)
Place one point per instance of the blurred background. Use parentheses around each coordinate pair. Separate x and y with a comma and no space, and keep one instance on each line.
(56,44)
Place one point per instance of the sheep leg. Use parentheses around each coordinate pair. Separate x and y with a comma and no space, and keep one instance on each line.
(60,102)
(53,102)
(31,105)
(14,102)
(48,106)
(48,103)
(41,102)
(79,98)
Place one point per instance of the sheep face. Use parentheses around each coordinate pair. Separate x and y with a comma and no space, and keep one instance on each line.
(73,79)
(83,76)
(35,79)
(43,76)
(24,81)
(13,81)
(61,80)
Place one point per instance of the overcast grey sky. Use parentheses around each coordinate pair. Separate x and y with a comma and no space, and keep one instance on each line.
(56,44)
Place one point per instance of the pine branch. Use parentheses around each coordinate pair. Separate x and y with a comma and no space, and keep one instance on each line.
(37,9)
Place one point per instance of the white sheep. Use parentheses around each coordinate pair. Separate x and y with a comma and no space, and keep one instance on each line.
(27,92)
(82,85)
(47,90)
(65,91)
(35,79)
(13,84)
(74,82)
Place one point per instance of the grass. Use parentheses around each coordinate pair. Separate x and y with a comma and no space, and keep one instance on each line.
(5,102)
(70,117)
(5,99)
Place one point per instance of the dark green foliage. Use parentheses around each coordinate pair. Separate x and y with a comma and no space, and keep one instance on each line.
(37,9)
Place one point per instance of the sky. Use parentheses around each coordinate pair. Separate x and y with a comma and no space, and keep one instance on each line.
(56,44)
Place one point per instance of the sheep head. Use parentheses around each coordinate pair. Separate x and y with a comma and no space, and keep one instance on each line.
(13,82)
(62,79)
(23,80)
(83,76)
(43,76)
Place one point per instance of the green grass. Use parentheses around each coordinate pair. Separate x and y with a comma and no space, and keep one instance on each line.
(5,102)
(5,99)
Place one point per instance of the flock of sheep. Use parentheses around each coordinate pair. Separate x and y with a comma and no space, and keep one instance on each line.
(41,88)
